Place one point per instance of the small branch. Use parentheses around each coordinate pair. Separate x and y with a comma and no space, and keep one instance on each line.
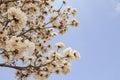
(46,63)
(14,67)
(55,17)
(25,32)
(30,30)
(6,24)
(1,23)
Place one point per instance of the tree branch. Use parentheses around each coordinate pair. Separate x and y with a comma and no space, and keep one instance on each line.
(24,68)
(14,67)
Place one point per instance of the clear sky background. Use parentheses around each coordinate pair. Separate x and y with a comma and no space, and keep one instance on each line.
(97,39)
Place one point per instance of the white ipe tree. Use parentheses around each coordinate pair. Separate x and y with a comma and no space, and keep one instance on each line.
(26,29)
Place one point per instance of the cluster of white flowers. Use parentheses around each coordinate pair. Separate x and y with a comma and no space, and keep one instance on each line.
(17,18)
(71,54)
(59,45)
(26,29)
(18,44)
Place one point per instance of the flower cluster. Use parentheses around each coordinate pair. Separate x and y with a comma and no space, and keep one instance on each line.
(17,18)
(26,29)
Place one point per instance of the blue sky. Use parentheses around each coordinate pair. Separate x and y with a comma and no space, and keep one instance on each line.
(97,39)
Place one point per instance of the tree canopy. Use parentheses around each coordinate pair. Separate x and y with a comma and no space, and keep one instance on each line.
(26,29)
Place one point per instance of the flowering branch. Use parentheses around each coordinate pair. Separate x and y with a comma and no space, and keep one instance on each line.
(45,23)
(26,29)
